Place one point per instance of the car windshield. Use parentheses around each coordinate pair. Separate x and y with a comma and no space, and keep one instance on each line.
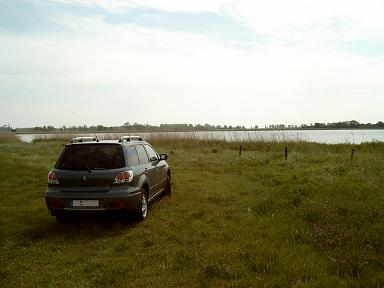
(91,157)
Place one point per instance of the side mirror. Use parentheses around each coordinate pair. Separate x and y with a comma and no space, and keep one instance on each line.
(153,159)
(163,156)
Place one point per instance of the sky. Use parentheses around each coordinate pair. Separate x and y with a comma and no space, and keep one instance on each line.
(229,62)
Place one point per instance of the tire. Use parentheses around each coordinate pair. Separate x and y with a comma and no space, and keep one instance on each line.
(142,211)
(168,187)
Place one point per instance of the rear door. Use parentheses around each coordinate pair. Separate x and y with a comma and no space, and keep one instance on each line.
(149,169)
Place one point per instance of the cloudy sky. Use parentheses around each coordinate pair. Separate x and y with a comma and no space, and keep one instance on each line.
(236,62)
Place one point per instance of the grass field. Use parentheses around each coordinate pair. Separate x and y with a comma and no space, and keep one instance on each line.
(255,220)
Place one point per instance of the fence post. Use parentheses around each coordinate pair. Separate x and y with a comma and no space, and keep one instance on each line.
(352,153)
(240,151)
(286,152)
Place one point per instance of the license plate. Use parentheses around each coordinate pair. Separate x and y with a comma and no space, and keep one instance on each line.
(85,203)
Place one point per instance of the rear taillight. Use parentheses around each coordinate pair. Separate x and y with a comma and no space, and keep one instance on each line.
(55,205)
(123,177)
(117,205)
(53,178)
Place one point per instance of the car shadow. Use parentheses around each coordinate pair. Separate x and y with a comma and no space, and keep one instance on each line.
(84,228)
(80,227)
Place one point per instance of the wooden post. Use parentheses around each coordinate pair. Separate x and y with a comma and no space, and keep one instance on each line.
(286,152)
(352,153)
(240,151)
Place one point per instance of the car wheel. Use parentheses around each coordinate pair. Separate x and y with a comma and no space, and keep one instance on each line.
(142,211)
(168,188)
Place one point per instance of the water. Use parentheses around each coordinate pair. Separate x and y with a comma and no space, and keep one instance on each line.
(319,136)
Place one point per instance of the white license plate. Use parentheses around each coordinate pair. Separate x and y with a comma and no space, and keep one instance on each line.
(85,203)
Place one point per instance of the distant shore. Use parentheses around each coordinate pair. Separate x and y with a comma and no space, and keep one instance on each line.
(177,131)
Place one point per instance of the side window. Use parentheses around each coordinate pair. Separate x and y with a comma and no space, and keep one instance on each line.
(133,159)
(151,152)
(143,157)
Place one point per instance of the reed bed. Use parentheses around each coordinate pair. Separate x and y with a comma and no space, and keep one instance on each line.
(212,140)
(64,137)
(8,137)
(206,136)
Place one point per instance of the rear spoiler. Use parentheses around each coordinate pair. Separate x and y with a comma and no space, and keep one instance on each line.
(84,139)
(130,138)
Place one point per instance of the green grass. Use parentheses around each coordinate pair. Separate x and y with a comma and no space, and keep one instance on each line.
(313,220)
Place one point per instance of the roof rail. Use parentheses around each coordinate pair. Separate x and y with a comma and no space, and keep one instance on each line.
(84,139)
(130,138)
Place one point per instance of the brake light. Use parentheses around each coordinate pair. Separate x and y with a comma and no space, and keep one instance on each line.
(56,205)
(123,177)
(53,178)
(117,205)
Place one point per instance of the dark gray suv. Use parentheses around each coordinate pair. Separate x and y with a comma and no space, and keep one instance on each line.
(120,176)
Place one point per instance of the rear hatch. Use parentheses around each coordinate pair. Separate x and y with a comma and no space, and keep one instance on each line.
(89,167)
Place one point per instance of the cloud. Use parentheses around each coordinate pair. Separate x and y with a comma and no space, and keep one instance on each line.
(118,6)
(313,22)
(280,18)
(127,72)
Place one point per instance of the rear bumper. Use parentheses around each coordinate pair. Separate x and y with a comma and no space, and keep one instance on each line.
(62,202)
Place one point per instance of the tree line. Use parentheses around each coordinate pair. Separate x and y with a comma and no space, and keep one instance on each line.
(345,125)
(136,127)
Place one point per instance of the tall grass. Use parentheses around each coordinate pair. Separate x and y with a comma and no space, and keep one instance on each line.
(60,137)
(226,136)
(8,137)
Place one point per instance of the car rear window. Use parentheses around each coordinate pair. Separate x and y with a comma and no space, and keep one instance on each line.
(91,157)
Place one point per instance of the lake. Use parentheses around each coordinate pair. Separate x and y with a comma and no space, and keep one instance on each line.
(319,136)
